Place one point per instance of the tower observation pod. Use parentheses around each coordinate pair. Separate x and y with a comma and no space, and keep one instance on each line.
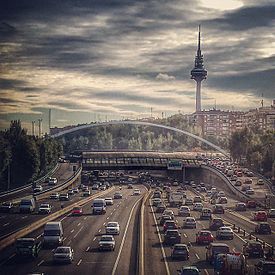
(198,73)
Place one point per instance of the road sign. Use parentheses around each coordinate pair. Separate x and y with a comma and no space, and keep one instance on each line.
(174,164)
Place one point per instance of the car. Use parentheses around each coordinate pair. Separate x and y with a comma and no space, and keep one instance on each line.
(64,197)
(165,218)
(85,188)
(75,190)
(103,187)
(204,237)
(251,204)
(38,189)
(215,223)
(218,209)
(86,193)
(264,267)
(52,181)
(260,216)
(188,201)
(130,186)
(54,196)
(189,222)
(45,208)
(109,201)
(160,208)
(136,192)
(206,214)
(240,206)
(238,183)
(263,228)
(221,194)
(250,191)
(77,211)
(198,206)
(248,181)
(213,249)
(172,236)
(70,192)
(222,200)
(118,195)
(184,211)
(106,242)
(170,225)
(63,254)
(188,270)
(95,187)
(271,213)
(156,201)
(157,194)
(208,193)
(28,247)
(112,228)
(253,249)
(197,199)
(6,206)
(225,232)
(169,212)
(260,182)
(180,251)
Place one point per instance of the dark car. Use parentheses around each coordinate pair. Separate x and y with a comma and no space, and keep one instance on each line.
(251,204)
(263,228)
(165,218)
(169,225)
(6,207)
(180,251)
(265,267)
(218,209)
(160,208)
(28,247)
(172,236)
(240,206)
(253,249)
(215,223)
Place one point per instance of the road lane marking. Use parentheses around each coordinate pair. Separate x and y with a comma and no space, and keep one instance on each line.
(108,218)
(79,262)
(40,263)
(206,272)
(85,218)
(197,256)
(161,245)
(94,238)
(78,231)
(72,231)
(88,248)
(184,235)
(79,224)
(124,237)
(104,223)
(99,230)
(6,224)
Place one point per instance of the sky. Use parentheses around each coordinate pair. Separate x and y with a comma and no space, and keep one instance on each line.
(102,60)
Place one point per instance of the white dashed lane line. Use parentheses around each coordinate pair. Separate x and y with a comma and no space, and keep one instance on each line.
(197,256)
(6,224)
(79,224)
(88,248)
(94,238)
(79,262)
(40,263)
(72,231)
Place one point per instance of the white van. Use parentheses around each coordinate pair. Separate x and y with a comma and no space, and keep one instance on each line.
(53,233)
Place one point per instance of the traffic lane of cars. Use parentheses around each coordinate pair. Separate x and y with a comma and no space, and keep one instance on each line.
(79,233)
(14,221)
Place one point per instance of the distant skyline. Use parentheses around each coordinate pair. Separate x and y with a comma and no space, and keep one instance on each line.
(91,59)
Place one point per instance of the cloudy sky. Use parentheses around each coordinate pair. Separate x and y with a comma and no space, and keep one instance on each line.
(97,59)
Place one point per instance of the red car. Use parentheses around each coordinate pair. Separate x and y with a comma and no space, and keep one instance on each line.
(251,204)
(77,211)
(204,237)
(260,216)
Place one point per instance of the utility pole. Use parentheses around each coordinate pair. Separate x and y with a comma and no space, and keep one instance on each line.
(151,112)
(50,120)
(39,127)
(33,126)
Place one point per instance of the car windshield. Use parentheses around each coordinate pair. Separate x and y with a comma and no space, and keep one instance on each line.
(204,233)
(52,232)
(77,208)
(189,272)
(221,249)
(106,238)
(24,243)
(172,233)
(180,247)
(98,204)
(112,224)
(62,250)
(25,203)
(265,226)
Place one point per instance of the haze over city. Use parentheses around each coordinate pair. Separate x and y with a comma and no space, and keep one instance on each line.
(86,60)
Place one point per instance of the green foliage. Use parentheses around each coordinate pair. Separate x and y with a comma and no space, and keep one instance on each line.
(256,147)
(25,157)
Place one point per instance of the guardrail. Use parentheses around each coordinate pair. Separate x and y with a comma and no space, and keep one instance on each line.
(140,265)
(233,188)
(27,186)
(36,225)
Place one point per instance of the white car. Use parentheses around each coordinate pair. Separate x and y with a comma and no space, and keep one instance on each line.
(44,208)
(37,189)
(112,228)
(184,211)
(63,254)
(136,192)
(250,191)
(106,242)
(225,232)
(109,201)
(260,182)
(198,206)
(168,212)
(190,222)
(52,181)
(86,193)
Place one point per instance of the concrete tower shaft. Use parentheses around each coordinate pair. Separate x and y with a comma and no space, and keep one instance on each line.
(198,73)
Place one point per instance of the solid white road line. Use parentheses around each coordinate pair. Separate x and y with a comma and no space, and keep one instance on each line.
(78,231)
(40,263)
(197,256)
(79,262)
(124,237)
(160,241)
(94,238)
(88,248)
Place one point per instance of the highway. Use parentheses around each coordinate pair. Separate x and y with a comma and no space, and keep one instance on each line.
(82,234)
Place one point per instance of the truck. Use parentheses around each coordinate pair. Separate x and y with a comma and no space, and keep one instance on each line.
(176,199)
(53,233)
(230,263)
(28,247)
